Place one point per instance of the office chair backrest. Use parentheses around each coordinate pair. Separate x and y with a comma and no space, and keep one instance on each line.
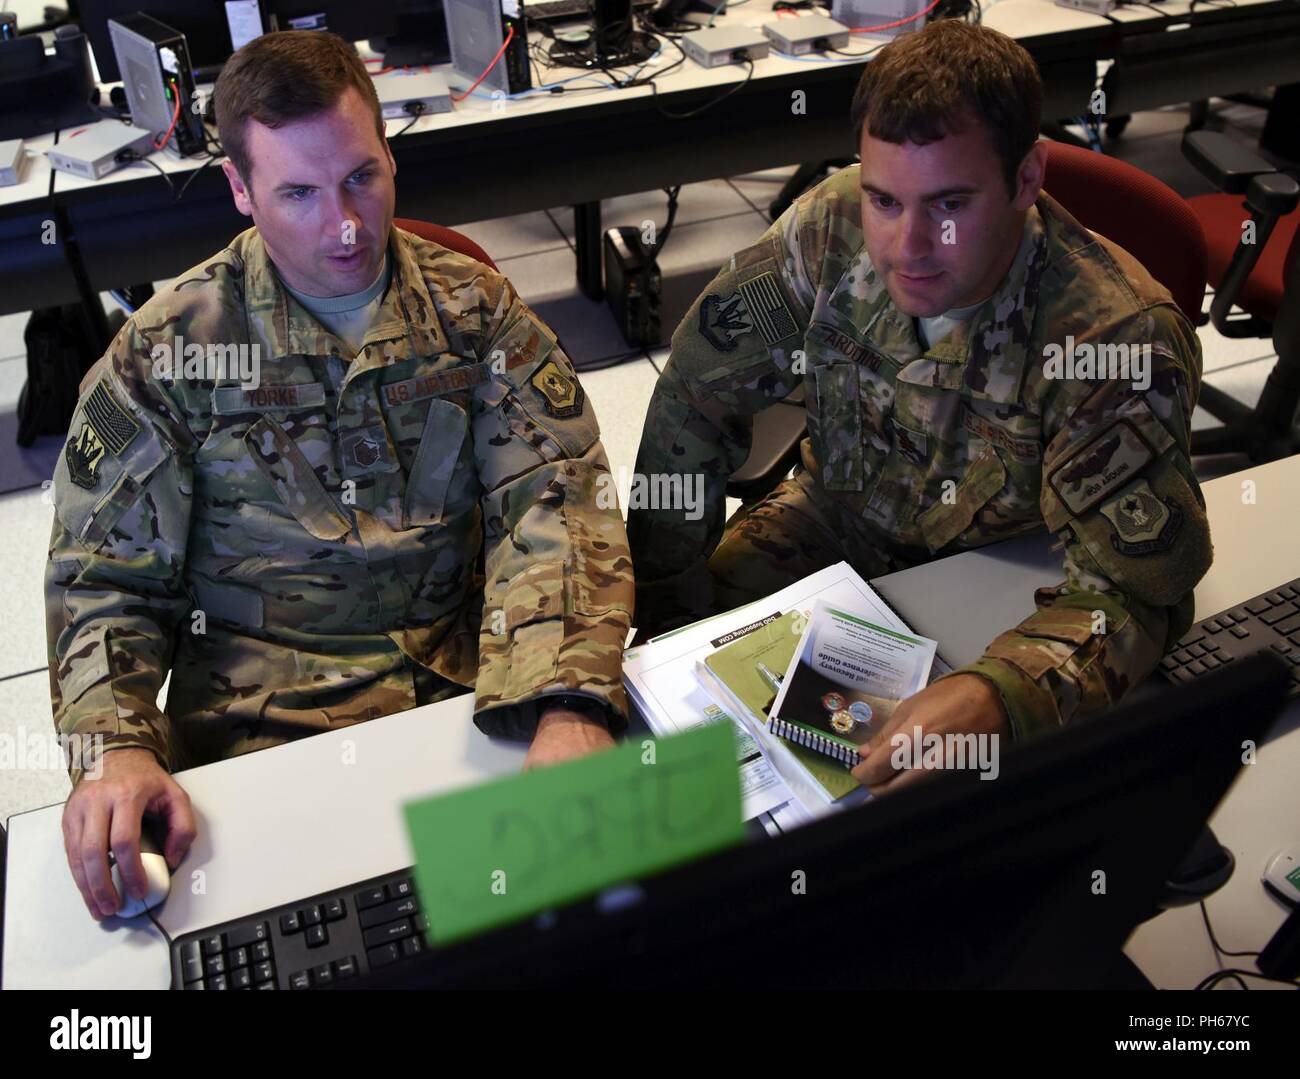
(1147,218)
(449,238)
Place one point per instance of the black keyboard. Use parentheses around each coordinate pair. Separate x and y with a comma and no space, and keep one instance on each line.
(324,940)
(557,10)
(1271,620)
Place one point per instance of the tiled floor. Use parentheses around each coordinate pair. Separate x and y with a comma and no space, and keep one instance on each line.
(714,219)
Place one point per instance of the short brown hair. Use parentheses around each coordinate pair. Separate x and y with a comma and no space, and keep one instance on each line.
(931,83)
(285,76)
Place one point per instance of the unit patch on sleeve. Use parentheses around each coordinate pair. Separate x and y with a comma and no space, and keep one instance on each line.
(561,394)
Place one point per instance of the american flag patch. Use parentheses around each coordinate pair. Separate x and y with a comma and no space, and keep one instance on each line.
(767,308)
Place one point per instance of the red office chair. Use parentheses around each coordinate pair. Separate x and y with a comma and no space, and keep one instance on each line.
(1146,217)
(449,238)
(1121,202)
(1262,278)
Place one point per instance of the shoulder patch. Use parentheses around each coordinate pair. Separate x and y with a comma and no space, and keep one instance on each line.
(110,421)
(561,393)
(768,309)
(723,320)
(1103,465)
(1142,522)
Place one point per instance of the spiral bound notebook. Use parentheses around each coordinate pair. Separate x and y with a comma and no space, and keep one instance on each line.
(845,680)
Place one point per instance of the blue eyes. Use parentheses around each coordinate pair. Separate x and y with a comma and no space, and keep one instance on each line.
(359,179)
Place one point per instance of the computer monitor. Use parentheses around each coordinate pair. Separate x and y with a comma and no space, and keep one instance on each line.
(1031,880)
(352,20)
(203,22)
(420,36)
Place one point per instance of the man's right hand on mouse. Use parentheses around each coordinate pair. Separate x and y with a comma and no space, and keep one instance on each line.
(105,813)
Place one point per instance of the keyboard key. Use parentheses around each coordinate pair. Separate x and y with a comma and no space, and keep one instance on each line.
(333,909)
(1212,625)
(345,968)
(216,964)
(300,980)
(1291,625)
(1240,632)
(1196,667)
(371,897)
(248,934)
(389,912)
(290,923)
(311,915)
(412,946)
(218,982)
(266,985)
(399,889)
(191,962)
(195,985)
(1168,663)
(264,972)
(1259,606)
(1193,637)
(1275,598)
(1295,639)
(1239,615)
(1275,615)
(261,951)
(393,931)
(322,975)
(1211,661)
(241,979)
(213,945)
(317,936)
(1213,646)
(1183,675)
(1183,656)
(1288,592)
(421,923)
(382,956)
(1281,646)
(1198,650)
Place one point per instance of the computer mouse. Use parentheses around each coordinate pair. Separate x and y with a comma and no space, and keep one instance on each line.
(157,874)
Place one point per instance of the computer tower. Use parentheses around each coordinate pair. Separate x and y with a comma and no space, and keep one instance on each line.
(476,30)
(159,81)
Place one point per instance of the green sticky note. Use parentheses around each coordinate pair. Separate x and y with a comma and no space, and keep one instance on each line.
(495,853)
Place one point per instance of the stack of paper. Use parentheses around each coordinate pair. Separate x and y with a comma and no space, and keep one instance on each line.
(661,679)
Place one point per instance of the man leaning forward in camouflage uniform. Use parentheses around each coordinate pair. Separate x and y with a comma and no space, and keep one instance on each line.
(299,548)
(938,309)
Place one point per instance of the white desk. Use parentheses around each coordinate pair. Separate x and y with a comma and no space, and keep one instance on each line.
(273,826)
(297,820)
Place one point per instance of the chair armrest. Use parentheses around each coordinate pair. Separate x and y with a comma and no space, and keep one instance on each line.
(1228,165)
(1273,194)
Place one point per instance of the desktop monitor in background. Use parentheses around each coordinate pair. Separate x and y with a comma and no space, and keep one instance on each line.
(203,22)
(420,36)
(1034,879)
(352,20)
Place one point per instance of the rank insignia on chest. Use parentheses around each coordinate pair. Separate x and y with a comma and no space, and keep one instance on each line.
(1142,522)
(84,453)
(365,451)
(559,392)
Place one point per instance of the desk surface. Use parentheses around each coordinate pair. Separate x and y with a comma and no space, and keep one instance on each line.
(334,798)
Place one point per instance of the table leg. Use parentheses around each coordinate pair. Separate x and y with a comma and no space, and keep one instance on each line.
(587,240)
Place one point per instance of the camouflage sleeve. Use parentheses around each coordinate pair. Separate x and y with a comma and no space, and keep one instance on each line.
(558,595)
(734,353)
(1119,491)
(114,592)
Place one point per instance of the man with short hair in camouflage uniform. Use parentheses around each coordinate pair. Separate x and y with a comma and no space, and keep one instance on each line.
(937,308)
(298,549)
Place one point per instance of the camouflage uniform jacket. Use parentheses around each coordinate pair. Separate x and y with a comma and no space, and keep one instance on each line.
(922,453)
(298,555)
